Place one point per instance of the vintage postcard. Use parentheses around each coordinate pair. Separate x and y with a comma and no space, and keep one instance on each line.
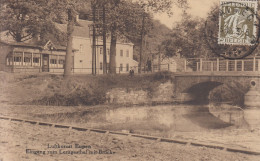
(129,80)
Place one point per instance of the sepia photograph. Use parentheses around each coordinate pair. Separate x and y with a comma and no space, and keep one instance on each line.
(129,80)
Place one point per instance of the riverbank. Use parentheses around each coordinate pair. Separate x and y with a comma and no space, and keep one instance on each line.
(53,90)
(86,90)
(14,140)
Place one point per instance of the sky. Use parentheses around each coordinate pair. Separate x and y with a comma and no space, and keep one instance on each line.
(198,8)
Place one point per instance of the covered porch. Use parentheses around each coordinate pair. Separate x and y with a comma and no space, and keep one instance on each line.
(29,58)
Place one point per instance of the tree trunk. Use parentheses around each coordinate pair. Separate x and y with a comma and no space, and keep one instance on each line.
(104,42)
(112,64)
(68,57)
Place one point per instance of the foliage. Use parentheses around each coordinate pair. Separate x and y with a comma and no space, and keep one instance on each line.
(185,38)
(162,5)
(132,19)
(24,19)
(85,90)
(123,20)
(28,18)
(152,41)
(233,93)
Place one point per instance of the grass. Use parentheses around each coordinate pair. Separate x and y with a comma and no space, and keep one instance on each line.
(53,90)
(50,89)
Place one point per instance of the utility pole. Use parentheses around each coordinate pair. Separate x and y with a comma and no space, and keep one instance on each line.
(104,41)
(94,42)
(141,46)
(159,60)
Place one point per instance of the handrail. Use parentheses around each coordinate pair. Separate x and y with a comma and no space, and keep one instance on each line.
(216,65)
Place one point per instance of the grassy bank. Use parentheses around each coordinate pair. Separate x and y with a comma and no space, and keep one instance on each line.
(49,89)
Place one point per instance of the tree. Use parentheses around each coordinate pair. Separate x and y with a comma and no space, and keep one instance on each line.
(122,23)
(153,40)
(159,6)
(126,16)
(68,9)
(25,18)
(187,39)
(130,19)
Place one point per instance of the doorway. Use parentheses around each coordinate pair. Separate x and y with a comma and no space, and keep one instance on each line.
(45,63)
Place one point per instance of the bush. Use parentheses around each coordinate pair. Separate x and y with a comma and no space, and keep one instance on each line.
(163,75)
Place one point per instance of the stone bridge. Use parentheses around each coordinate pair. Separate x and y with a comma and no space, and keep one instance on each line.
(196,86)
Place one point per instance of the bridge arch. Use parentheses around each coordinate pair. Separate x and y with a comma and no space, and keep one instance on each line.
(196,88)
(199,92)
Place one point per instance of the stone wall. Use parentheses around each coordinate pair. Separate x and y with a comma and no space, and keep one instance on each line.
(181,89)
(164,93)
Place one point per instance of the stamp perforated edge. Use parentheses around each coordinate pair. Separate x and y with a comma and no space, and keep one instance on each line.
(255,19)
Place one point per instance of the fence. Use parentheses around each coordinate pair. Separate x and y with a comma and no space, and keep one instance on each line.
(220,65)
(180,65)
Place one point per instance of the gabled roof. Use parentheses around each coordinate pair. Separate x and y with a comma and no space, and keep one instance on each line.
(80,30)
(8,40)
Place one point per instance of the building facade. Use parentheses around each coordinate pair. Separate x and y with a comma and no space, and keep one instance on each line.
(36,56)
(83,42)
(31,57)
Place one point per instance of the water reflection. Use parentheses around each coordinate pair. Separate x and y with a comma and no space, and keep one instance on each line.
(182,118)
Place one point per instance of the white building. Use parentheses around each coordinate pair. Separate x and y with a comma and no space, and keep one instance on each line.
(42,58)
(82,43)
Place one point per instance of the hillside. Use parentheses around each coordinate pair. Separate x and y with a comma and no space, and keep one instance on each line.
(154,38)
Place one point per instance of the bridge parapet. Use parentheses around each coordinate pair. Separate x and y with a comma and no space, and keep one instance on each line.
(220,65)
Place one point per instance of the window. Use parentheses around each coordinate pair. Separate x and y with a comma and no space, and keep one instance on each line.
(121,53)
(101,66)
(101,51)
(61,61)
(81,48)
(27,59)
(121,67)
(127,67)
(127,53)
(17,59)
(53,61)
(36,60)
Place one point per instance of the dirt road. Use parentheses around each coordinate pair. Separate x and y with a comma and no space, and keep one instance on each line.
(16,137)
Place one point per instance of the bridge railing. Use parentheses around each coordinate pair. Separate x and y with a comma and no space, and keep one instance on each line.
(220,65)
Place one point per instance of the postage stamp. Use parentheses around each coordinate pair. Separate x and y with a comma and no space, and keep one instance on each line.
(238,22)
